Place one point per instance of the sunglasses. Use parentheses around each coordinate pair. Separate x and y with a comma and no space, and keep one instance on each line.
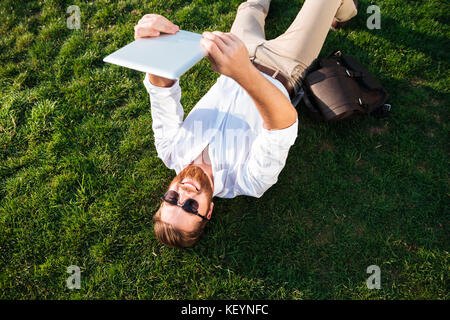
(190,205)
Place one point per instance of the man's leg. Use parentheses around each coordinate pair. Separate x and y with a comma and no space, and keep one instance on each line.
(249,23)
(293,51)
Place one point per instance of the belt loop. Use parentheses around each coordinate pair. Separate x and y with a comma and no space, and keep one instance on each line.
(275,74)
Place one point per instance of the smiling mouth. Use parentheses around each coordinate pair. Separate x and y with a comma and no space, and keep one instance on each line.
(190,183)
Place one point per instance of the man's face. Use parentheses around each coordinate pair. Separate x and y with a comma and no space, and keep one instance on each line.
(191,183)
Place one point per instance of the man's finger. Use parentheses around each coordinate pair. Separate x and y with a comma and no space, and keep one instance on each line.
(224,37)
(145,30)
(211,48)
(234,37)
(162,24)
(216,39)
(144,18)
(147,18)
(159,23)
(213,63)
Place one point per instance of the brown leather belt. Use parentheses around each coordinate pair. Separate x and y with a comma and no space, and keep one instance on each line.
(270,72)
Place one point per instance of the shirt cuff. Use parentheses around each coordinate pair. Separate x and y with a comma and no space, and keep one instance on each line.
(282,137)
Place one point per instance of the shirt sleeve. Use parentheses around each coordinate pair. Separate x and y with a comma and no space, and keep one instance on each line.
(266,159)
(167,117)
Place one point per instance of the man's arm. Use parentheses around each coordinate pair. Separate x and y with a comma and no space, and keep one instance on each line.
(229,56)
(165,94)
(275,108)
(268,154)
(149,26)
(265,162)
(167,117)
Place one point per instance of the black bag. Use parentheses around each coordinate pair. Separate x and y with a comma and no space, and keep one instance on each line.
(338,87)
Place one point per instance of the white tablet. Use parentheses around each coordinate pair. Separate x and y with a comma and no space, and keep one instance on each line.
(168,56)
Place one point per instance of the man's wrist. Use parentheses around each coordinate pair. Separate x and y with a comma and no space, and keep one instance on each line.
(160,81)
(274,106)
(245,76)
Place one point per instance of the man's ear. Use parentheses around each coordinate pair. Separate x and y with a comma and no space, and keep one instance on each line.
(208,215)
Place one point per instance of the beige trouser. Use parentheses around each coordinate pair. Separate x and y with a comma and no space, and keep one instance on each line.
(292,52)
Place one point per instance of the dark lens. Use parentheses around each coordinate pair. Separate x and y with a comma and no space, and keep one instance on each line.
(171,197)
(191,206)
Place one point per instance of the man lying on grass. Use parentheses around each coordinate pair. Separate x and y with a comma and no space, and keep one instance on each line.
(236,139)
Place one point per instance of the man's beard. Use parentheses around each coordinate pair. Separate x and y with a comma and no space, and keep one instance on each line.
(197,174)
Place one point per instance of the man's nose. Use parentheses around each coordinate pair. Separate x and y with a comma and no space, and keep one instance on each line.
(183,196)
(185,192)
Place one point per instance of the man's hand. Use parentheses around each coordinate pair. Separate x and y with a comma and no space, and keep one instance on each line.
(227,54)
(152,25)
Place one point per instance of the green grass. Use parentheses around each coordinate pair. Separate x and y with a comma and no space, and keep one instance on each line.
(80,177)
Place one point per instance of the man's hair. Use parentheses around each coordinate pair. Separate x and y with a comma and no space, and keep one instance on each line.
(169,235)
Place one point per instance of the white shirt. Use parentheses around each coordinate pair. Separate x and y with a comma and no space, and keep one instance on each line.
(246,158)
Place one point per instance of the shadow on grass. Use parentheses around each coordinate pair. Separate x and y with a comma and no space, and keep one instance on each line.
(352,194)
(432,45)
